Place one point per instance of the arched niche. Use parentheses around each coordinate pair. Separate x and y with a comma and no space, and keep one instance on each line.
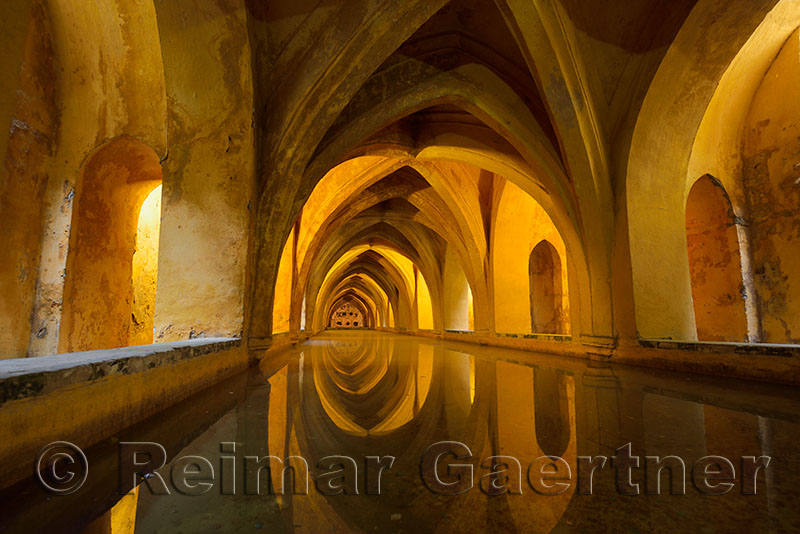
(99,290)
(708,99)
(715,263)
(546,295)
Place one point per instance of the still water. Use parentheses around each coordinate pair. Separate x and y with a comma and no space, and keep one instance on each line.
(382,405)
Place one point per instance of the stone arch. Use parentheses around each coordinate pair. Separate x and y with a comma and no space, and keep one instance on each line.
(386,273)
(349,312)
(476,99)
(726,49)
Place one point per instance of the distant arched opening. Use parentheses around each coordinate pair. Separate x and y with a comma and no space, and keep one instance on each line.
(348,313)
(715,263)
(545,290)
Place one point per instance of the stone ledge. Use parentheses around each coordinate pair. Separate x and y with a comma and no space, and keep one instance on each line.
(86,397)
(22,378)
(720,347)
(747,361)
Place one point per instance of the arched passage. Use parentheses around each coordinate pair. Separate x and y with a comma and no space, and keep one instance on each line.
(715,263)
(98,292)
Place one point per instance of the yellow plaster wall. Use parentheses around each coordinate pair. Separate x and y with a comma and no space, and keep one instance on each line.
(424,305)
(107,81)
(209,174)
(772,184)
(283,288)
(30,135)
(519,225)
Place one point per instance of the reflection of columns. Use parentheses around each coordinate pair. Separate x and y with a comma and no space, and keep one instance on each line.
(734,434)
(251,414)
(674,427)
(552,412)
(598,399)
(457,401)
(779,441)
(662,416)
(609,417)
(765,434)
(252,430)
(516,426)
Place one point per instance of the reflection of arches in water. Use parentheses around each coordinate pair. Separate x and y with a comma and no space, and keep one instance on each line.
(497,397)
(535,410)
(459,387)
(535,419)
(552,412)
(369,388)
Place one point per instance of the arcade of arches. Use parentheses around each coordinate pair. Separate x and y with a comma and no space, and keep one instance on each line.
(615,181)
(555,176)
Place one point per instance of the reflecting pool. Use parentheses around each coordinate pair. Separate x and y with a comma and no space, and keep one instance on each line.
(373,432)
